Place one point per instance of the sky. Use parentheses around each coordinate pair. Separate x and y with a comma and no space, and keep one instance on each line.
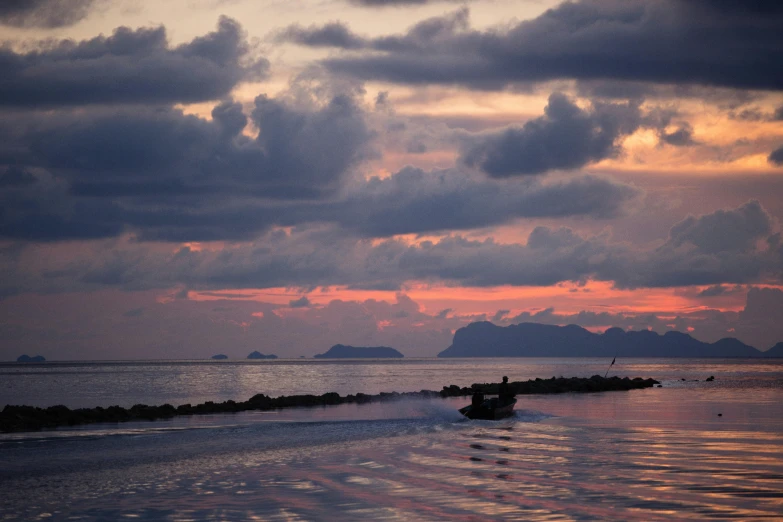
(185,178)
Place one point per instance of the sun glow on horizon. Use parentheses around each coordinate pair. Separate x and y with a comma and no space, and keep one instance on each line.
(564,298)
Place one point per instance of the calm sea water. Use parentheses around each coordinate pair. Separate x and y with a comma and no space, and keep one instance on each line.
(656,454)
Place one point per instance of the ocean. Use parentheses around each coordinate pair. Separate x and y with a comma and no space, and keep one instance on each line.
(689,450)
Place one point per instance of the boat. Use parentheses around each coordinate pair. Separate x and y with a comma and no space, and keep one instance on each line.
(490,409)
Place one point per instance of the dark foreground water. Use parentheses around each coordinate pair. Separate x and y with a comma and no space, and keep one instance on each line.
(657,454)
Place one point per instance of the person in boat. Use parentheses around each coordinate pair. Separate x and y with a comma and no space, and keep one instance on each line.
(478,399)
(505,395)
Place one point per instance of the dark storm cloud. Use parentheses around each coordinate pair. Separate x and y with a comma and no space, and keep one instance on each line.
(130,66)
(744,7)
(334,34)
(290,261)
(721,247)
(732,44)
(310,150)
(297,153)
(776,156)
(614,89)
(308,257)
(337,34)
(720,290)
(757,114)
(565,138)
(410,201)
(488,263)
(302,302)
(692,255)
(168,176)
(42,210)
(415,201)
(43,13)
(662,119)
(723,230)
(172,176)
(165,175)
(680,137)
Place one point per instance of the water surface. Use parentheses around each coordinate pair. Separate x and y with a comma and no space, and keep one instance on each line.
(654,454)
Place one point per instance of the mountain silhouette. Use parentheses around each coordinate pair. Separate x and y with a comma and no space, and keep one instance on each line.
(484,339)
(775,351)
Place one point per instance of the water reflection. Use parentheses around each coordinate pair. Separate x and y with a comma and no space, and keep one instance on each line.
(86,384)
(622,459)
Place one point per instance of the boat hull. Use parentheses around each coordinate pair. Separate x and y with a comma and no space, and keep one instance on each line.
(489,410)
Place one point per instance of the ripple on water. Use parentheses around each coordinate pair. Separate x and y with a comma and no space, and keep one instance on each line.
(440,468)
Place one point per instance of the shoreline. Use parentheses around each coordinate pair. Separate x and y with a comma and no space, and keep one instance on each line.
(32,418)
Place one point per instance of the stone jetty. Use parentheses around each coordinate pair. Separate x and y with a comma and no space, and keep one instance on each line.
(31,418)
(596,383)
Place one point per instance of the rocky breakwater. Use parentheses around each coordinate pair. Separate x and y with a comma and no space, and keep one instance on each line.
(596,383)
(31,418)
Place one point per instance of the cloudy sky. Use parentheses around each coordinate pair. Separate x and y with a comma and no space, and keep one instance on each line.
(192,177)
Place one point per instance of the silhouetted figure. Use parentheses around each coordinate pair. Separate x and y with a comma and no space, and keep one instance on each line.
(478,399)
(505,395)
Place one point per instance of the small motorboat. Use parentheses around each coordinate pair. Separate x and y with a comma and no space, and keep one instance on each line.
(490,409)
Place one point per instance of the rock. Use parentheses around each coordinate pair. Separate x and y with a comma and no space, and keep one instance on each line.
(26,358)
(220,357)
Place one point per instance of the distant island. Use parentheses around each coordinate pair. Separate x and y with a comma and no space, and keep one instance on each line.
(485,339)
(220,357)
(259,355)
(341,351)
(27,358)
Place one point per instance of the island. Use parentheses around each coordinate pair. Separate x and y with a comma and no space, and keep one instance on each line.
(485,339)
(259,355)
(220,357)
(26,358)
(341,351)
